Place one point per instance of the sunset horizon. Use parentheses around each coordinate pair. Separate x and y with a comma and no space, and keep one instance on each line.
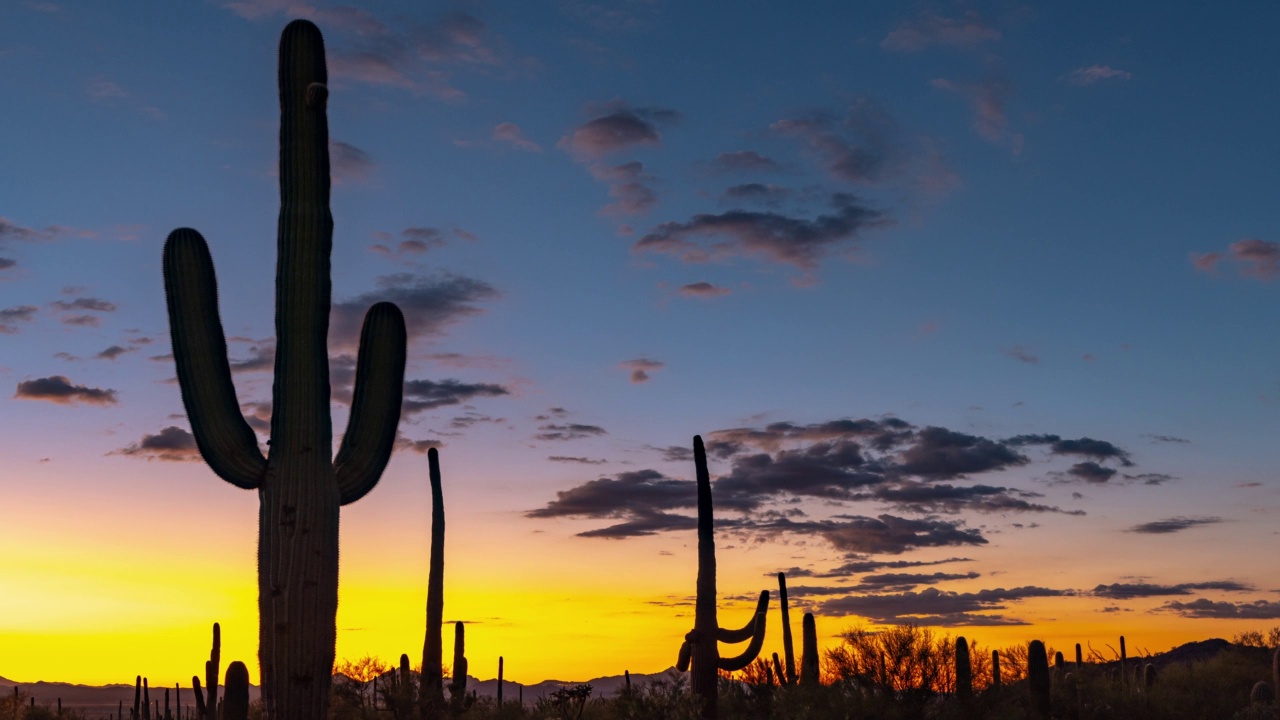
(967,302)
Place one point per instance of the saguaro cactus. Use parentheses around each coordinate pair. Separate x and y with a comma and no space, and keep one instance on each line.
(700,644)
(809,649)
(300,487)
(788,649)
(964,671)
(458,688)
(431,690)
(209,710)
(1038,678)
(235,697)
(995,669)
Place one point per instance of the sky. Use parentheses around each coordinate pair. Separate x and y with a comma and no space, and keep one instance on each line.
(970,302)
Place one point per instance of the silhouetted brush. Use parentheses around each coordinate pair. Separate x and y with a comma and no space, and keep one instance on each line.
(788,650)
(809,649)
(1038,678)
(700,648)
(964,671)
(431,685)
(235,696)
(300,486)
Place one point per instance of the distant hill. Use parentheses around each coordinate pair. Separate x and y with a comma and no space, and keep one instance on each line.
(103,700)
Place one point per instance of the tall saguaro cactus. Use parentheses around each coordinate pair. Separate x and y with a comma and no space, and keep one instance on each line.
(700,644)
(300,486)
(431,691)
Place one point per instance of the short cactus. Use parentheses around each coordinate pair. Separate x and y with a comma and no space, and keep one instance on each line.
(1261,692)
(809,649)
(235,697)
(458,688)
(300,486)
(995,668)
(700,645)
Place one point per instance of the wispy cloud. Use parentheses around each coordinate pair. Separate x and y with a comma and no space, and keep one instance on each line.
(1129,591)
(568,431)
(987,100)
(630,187)
(418,240)
(744,161)
(9,317)
(641,367)
(1089,75)
(61,390)
(430,304)
(938,607)
(1022,354)
(1174,524)
(1205,608)
(172,444)
(349,164)
(703,289)
(420,395)
(1257,258)
(930,29)
(511,134)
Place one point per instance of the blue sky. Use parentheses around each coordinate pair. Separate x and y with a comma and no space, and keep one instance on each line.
(614,226)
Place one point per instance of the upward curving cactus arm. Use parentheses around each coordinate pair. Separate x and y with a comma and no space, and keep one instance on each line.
(741,661)
(226,441)
(375,406)
(745,632)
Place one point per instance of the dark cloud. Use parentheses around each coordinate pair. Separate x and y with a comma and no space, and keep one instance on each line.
(937,607)
(884,534)
(862,149)
(82,320)
(744,161)
(261,358)
(941,454)
(1091,472)
(12,231)
(859,565)
(171,444)
(429,305)
(629,186)
(930,29)
(576,460)
(1128,591)
(568,431)
(6,263)
(764,194)
(84,303)
(1088,447)
(703,289)
(772,236)
(1173,524)
(1205,608)
(1258,258)
(622,127)
(621,496)
(112,352)
(941,498)
(1150,478)
(58,389)
(20,313)
(420,395)
(1169,439)
(905,581)
(641,367)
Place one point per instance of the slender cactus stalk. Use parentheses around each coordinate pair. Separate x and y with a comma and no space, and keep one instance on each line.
(300,487)
(431,690)
(788,650)
(809,658)
(964,671)
(995,669)
(1038,678)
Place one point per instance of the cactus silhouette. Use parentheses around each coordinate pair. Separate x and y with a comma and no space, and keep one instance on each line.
(788,649)
(964,671)
(995,668)
(209,710)
(300,487)
(458,688)
(1038,678)
(431,692)
(809,650)
(235,697)
(699,647)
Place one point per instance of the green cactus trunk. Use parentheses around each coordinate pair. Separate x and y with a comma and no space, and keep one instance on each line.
(300,488)
(431,692)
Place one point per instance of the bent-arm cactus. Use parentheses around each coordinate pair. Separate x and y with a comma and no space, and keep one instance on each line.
(700,645)
(300,487)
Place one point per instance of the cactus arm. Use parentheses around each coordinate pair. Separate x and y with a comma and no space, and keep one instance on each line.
(226,441)
(375,405)
(725,635)
(686,651)
(734,664)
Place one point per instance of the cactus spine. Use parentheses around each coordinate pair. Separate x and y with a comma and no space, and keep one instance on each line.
(964,671)
(700,644)
(300,487)
(1038,678)
(787,648)
(431,692)
(809,650)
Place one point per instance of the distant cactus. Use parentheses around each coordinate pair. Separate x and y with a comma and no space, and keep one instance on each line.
(458,688)
(500,663)
(136,712)
(809,647)
(995,668)
(1275,680)
(1149,675)
(300,487)
(431,688)
(788,650)
(235,697)
(146,700)
(1079,658)
(209,710)
(1124,664)
(964,671)
(1038,678)
(700,644)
